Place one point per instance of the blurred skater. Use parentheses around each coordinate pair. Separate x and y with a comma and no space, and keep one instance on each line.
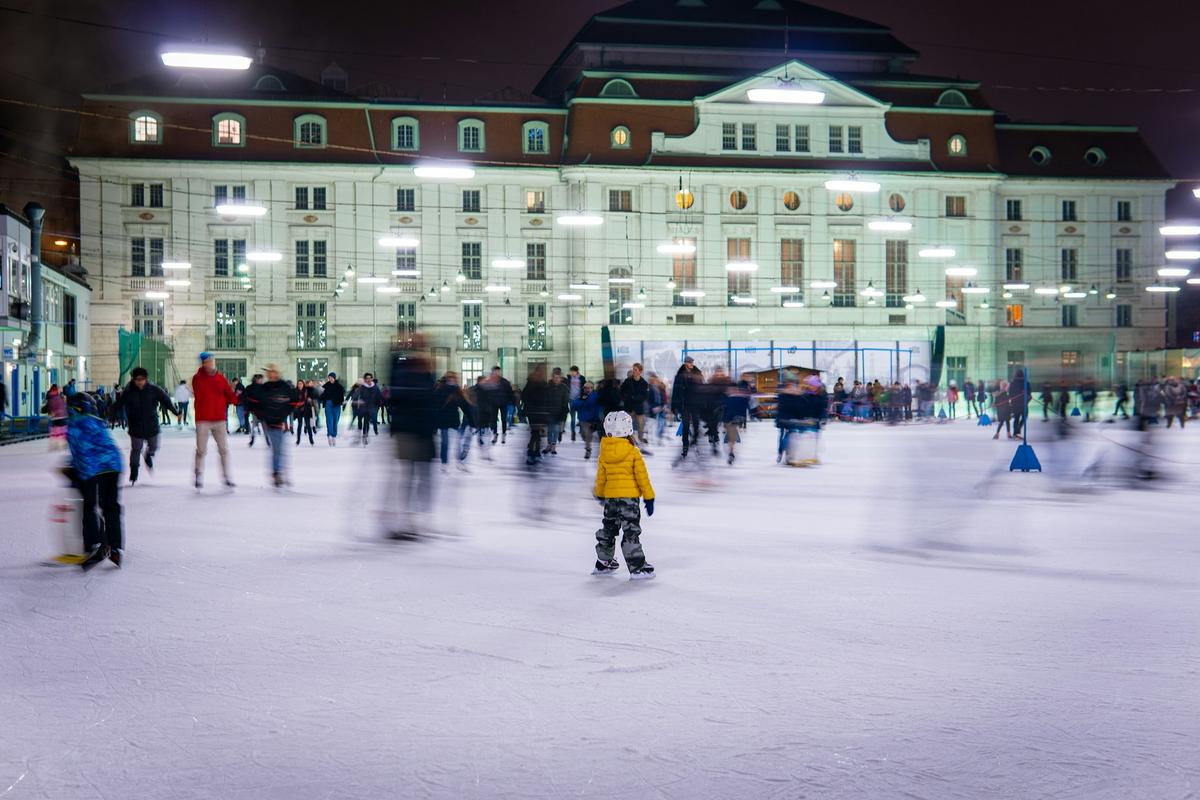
(411,406)
(96,469)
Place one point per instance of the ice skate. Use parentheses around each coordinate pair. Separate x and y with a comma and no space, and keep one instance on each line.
(606,567)
(644,574)
(116,555)
(94,557)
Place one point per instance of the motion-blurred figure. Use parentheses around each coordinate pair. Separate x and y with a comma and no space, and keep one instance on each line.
(411,401)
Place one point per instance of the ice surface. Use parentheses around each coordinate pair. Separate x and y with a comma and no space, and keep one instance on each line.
(908,620)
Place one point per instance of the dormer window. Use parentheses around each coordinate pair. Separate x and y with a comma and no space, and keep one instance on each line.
(406,134)
(145,127)
(620,137)
(953,98)
(618,87)
(229,130)
(535,137)
(956,145)
(854,139)
(309,131)
(470,136)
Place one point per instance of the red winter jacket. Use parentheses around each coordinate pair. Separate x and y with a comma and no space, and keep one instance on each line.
(213,396)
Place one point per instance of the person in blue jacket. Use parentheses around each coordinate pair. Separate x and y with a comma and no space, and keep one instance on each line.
(590,415)
(96,462)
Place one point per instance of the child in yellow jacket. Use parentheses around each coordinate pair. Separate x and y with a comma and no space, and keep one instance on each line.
(621,480)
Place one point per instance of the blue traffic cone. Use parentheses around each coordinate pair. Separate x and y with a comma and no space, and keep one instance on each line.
(1025,460)
(1075,412)
(984,421)
(942,414)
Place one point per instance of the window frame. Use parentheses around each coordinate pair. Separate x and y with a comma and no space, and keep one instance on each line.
(855,141)
(531,126)
(620,194)
(307,119)
(959,139)
(1123,315)
(615,133)
(412,207)
(1068,205)
(1123,265)
(397,122)
(748,137)
(535,261)
(1128,207)
(228,116)
(1011,203)
(532,207)
(837,135)
(135,117)
(474,207)
(845,272)
(951,200)
(471,122)
(472,262)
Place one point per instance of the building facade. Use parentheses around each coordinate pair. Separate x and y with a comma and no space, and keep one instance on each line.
(825,208)
(62,353)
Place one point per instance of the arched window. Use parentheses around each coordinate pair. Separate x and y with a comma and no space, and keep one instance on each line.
(956,145)
(309,131)
(145,127)
(738,199)
(1040,155)
(1095,156)
(229,130)
(406,134)
(618,87)
(953,98)
(268,83)
(619,138)
(471,136)
(535,137)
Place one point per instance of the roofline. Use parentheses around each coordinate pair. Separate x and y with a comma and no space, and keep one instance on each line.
(623,101)
(877,30)
(1040,127)
(351,105)
(656,76)
(9,211)
(793,54)
(974,112)
(955,84)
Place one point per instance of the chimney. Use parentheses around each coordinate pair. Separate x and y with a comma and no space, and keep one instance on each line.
(34,213)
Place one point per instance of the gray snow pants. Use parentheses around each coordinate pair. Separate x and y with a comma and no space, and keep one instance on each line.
(621,512)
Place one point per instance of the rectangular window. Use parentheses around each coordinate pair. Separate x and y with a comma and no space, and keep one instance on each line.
(956,205)
(318,198)
(1014,315)
(536,327)
(301,198)
(69,319)
(801,139)
(1124,211)
(229,325)
(472,260)
(406,261)
(791,268)
(783,138)
(223,251)
(729,136)
(406,199)
(737,283)
(1124,257)
(156,195)
(471,200)
(406,320)
(137,194)
(535,201)
(1012,210)
(956,370)
(835,138)
(1070,264)
(472,368)
(854,143)
(1124,316)
(405,137)
(220,195)
(137,256)
(1068,211)
(1070,316)
(156,258)
(471,139)
(1014,263)
(620,200)
(683,274)
(148,318)
(310,326)
(238,193)
(749,136)
(1070,358)
(896,256)
(843,272)
(618,295)
(535,261)
(954,287)
(302,261)
(320,258)
(472,326)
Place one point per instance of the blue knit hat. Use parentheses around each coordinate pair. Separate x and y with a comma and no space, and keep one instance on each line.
(205,356)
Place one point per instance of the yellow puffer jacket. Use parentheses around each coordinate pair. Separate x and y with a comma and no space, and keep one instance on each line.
(621,472)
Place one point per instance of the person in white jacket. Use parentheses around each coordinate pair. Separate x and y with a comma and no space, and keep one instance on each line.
(183,398)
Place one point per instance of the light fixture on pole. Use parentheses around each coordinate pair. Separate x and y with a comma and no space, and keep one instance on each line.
(240,210)
(677,248)
(268,256)
(579,220)
(1180,230)
(1111,294)
(889,225)
(192,57)
(399,241)
(936,252)
(851,185)
(1173,272)
(455,172)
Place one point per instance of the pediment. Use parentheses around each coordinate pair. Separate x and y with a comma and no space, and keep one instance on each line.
(794,75)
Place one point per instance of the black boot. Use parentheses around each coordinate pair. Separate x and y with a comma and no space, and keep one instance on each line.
(97,554)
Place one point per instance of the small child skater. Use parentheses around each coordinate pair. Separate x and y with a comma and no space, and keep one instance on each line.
(621,480)
(96,465)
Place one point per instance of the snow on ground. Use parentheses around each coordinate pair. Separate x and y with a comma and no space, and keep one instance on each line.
(907,620)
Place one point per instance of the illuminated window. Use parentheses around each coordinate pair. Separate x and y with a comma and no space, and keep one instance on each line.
(896,202)
(957,145)
(309,131)
(844,268)
(1014,315)
(956,205)
(535,137)
(620,137)
(145,127)
(896,275)
(738,199)
(229,130)
(535,201)
(791,200)
(844,201)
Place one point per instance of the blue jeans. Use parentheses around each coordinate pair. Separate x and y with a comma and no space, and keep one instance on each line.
(554,435)
(278,439)
(333,414)
(242,416)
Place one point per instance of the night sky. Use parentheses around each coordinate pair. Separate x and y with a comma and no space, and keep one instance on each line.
(1096,62)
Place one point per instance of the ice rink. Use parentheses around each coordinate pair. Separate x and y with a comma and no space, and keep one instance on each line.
(908,620)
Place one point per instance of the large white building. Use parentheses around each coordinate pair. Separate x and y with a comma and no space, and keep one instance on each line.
(958,243)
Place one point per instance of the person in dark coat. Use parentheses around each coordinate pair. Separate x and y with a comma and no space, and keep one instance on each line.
(453,413)
(575,383)
(539,408)
(495,396)
(685,401)
(96,471)
(140,403)
(333,397)
(274,401)
(413,422)
(368,399)
(560,406)
(587,409)
(711,403)
(1003,409)
(635,395)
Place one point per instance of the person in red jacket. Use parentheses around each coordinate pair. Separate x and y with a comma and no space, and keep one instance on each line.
(214,395)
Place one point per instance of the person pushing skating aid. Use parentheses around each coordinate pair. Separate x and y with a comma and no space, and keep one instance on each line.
(621,480)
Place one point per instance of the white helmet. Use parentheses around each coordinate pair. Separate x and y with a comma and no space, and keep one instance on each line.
(618,423)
